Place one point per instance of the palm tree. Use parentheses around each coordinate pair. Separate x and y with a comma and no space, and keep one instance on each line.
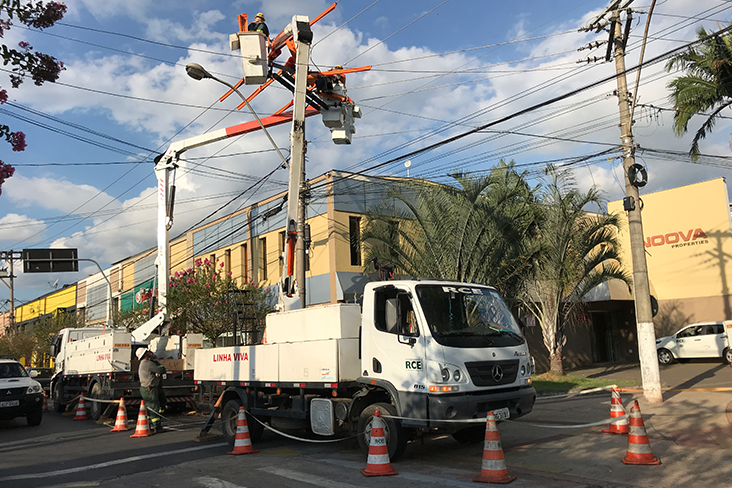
(707,84)
(579,250)
(478,231)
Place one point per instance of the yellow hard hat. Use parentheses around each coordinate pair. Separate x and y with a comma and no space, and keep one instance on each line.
(338,66)
(260,14)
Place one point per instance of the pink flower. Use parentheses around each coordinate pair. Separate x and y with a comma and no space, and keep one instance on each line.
(193,281)
(190,270)
(222,264)
(3,96)
(216,303)
(24,45)
(229,273)
(17,140)
(198,262)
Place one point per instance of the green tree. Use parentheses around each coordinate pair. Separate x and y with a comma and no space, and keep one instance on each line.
(578,251)
(18,344)
(44,330)
(25,61)
(477,231)
(204,299)
(705,86)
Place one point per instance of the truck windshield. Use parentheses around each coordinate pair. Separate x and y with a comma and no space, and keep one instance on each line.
(468,316)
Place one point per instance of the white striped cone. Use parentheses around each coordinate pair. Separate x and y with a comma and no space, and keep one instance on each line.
(242,441)
(80,410)
(143,426)
(45,402)
(639,449)
(120,423)
(617,410)
(378,463)
(493,467)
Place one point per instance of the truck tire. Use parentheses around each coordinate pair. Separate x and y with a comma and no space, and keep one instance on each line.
(229,416)
(58,397)
(396,435)
(96,408)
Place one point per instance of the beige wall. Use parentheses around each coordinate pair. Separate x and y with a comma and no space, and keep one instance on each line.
(688,244)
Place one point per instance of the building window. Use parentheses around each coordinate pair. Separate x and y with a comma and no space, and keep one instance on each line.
(354,232)
(244,263)
(263,258)
(227,262)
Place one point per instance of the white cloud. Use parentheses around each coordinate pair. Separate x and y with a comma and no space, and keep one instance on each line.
(55,194)
(14,227)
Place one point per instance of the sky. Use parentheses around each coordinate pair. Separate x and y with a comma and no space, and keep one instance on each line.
(86,179)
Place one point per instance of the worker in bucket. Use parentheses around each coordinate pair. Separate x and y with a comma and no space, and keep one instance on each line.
(258,25)
(151,386)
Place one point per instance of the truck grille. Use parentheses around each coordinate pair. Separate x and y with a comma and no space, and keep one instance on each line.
(8,393)
(493,373)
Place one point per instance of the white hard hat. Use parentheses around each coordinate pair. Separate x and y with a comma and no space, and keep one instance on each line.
(140,352)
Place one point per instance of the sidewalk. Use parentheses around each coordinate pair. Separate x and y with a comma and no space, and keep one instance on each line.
(690,432)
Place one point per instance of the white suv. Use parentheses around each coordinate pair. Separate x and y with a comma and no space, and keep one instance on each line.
(20,396)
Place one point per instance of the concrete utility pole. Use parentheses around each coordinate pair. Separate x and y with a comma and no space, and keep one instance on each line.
(9,256)
(641,289)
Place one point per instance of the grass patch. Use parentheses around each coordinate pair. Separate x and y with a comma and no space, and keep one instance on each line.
(552,383)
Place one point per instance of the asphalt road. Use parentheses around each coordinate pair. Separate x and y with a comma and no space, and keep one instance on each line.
(62,452)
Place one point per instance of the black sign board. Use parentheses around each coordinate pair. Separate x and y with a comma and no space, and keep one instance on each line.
(50,260)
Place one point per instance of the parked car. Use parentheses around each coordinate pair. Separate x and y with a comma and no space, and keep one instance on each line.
(702,340)
(20,396)
(43,376)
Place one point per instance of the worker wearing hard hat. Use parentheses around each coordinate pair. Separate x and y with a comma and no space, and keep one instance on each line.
(258,25)
(151,386)
(339,77)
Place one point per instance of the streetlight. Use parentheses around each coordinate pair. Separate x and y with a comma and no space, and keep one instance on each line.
(198,72)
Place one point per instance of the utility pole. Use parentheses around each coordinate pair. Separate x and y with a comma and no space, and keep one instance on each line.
(9,256)
(641,290)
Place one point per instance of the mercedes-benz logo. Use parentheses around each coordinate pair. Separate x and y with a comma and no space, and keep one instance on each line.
(496,373)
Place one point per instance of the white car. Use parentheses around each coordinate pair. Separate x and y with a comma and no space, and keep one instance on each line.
(20,396)
(703,340)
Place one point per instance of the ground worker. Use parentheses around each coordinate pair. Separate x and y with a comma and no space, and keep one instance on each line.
(151,386)
(258,25)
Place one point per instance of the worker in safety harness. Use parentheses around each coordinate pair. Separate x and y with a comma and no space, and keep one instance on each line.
(258,25)
(151,386)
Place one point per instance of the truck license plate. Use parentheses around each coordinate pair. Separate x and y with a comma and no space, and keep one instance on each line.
(502,413)
(12,403)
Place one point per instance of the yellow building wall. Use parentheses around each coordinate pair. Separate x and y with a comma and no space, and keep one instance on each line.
(688,240)
(62,299)
(319,263)
(179,256)
(342,242)
(128,275)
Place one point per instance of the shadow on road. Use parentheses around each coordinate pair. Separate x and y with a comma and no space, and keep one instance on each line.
(693,381)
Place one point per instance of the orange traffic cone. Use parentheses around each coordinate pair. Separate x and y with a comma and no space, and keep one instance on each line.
(45,402)
(617,410)
(378,461)
(81,410)
(639,449)
(493,468)
(143,427)
(242,441)
(120,424)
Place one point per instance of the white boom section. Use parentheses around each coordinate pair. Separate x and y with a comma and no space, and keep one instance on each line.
(292,286)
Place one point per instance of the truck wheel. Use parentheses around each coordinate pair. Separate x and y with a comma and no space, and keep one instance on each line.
(665,356)
(470,435)
(229,417)
(396,435)
(58,398)
(96,408)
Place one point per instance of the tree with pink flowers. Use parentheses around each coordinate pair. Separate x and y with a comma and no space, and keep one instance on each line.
(205,298)
(24,61)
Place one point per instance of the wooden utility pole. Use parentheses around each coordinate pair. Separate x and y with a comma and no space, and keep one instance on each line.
(641,290)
